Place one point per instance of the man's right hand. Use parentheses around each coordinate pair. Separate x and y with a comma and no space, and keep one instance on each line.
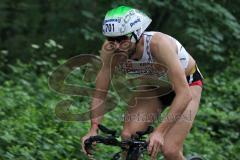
(92,132)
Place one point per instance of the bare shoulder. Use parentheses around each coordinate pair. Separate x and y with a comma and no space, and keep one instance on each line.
(159,38)
(162,45)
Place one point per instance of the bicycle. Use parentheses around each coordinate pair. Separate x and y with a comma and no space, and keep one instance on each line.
(134,147)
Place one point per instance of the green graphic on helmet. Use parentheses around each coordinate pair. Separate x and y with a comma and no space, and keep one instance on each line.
(124,20)
(120,11)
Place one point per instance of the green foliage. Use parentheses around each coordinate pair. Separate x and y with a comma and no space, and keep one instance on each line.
(37,36)
(209,31)
(216,133)
(29,128)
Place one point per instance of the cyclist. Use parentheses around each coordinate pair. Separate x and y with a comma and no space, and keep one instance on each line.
(123,26)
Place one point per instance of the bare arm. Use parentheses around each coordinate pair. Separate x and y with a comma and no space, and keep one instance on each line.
(165,53)
(102,85)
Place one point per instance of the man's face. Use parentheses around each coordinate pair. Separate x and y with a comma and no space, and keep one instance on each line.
(122,44)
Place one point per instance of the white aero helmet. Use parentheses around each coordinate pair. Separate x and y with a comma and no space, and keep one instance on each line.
(125,20)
